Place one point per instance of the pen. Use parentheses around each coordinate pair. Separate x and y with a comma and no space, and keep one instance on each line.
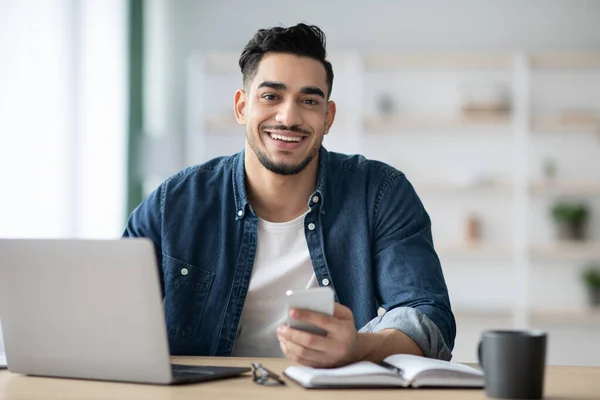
(393,368)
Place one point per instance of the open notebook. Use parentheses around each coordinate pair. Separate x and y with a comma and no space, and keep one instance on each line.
(400,370)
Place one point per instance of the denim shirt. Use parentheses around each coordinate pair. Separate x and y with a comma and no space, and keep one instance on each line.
(368,235)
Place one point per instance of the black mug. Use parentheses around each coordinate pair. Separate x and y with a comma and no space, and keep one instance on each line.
(513,363)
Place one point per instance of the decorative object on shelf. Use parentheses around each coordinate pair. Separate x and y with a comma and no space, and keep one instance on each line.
(549,168)
(385,104)
(571,220)
(473,229)
(485,99)
(591,278)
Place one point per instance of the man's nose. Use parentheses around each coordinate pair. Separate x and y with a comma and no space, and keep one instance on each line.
(289,114)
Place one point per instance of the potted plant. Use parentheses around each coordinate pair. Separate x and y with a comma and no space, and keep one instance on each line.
(570,220)
(591,277)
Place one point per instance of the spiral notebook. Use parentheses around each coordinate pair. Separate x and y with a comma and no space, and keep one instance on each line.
(400,370)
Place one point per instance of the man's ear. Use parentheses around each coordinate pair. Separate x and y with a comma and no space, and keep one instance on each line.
(239,106)
(329,116)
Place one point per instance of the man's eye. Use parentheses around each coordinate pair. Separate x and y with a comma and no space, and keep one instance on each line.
(310,102)
(269,97)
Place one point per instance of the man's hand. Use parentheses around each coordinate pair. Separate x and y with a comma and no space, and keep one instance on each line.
(335,349)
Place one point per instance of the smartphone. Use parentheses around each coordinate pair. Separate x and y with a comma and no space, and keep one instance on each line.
(318,299)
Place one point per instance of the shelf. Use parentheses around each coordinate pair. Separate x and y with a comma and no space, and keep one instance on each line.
(576,251)
(566,317)
(450,188)
(566,60)
(558,187)
(408,124)
(573,123)
(567,250)
(466,250)
(378,61)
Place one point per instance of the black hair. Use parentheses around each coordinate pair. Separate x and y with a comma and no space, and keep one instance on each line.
(300,40)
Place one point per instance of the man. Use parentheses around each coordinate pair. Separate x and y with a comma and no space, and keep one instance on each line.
(233,234)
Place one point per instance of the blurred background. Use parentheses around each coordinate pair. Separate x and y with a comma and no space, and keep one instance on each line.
(491,108)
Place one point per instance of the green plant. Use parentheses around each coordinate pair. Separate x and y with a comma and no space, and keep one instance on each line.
(569,212)
(591,276)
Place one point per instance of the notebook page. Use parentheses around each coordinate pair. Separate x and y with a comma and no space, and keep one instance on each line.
(413,365)
(362,373)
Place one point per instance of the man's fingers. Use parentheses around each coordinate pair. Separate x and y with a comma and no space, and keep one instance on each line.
(342,312)
(305,339)
(302,355)
(283,345)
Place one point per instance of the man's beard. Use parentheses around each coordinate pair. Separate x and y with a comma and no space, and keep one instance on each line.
(281,168)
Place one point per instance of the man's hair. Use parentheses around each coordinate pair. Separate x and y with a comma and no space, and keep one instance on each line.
(300,40)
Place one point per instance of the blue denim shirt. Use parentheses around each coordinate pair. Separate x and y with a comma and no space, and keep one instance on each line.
(368,235)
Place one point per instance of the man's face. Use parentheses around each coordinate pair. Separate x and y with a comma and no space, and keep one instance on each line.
(286,112)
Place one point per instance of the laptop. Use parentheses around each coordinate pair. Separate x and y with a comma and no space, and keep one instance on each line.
(89,309)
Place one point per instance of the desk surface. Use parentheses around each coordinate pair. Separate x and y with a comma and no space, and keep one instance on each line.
(560,383)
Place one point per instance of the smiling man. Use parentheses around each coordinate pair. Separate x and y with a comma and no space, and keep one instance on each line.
(234,234)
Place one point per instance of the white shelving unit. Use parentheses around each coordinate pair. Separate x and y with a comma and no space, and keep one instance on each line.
(455,124)
(428,136)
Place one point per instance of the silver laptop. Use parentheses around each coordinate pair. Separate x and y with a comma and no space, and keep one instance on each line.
(89,309)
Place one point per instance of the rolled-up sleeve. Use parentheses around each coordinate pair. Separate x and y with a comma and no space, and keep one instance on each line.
(410,282)
(417,326)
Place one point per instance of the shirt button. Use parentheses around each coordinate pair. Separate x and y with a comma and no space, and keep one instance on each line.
(240,213)
(315,199)
(184,271)
(311,227)
(325,282)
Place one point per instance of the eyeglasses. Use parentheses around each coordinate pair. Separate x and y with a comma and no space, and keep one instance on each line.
(263,376)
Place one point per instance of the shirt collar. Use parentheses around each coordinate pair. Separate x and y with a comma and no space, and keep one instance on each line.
(239,184)
(322,174)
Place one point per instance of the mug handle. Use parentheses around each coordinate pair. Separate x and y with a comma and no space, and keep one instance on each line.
(480,355)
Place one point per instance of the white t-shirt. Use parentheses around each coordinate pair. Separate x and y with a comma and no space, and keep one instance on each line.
(282,262)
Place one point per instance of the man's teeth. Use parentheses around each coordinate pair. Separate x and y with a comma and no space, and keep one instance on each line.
(285,138)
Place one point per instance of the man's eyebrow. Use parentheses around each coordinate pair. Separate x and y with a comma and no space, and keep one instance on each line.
(312,90)
(273,85)
(283,87)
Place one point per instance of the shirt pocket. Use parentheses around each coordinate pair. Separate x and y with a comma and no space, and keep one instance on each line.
(186,291)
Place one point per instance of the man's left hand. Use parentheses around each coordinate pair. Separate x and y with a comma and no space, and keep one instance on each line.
(335,349)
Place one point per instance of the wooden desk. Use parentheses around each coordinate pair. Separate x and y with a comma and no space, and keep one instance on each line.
(561,383)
